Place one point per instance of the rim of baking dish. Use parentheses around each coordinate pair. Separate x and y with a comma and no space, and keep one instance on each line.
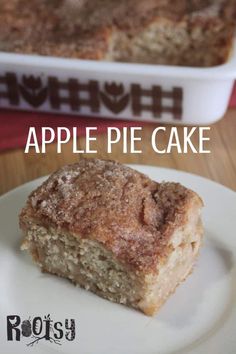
(22,61)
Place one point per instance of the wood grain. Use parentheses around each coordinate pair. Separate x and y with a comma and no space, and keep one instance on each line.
(17,168)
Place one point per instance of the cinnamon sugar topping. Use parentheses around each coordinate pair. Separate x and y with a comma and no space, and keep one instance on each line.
(115,205)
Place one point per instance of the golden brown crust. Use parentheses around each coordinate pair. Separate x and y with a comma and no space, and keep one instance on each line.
(64,28)
(136,14)
(35,27)
(129,214)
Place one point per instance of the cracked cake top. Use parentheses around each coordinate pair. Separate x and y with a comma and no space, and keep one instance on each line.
(131,215)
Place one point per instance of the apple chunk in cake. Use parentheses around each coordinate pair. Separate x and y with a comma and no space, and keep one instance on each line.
(112,230)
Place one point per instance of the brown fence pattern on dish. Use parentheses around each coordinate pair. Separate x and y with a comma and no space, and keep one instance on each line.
(92,94)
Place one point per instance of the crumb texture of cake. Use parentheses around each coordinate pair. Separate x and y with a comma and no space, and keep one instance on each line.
(112,230)
(192,33)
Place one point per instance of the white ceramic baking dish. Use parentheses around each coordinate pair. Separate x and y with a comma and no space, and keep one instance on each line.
(159,93)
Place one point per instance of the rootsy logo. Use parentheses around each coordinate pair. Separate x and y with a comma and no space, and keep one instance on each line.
(36,329)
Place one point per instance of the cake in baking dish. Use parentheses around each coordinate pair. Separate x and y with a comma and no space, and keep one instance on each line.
(181,32)
(112,230)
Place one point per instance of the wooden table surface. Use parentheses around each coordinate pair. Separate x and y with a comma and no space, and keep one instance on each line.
(17,168)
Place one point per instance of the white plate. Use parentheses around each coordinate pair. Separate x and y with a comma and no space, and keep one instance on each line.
(199,318)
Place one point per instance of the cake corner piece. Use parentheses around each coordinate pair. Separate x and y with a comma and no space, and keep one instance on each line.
(113,231)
